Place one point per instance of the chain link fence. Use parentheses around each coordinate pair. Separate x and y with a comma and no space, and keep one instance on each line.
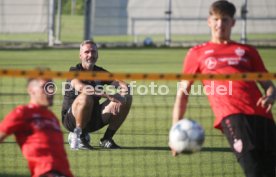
(129,22)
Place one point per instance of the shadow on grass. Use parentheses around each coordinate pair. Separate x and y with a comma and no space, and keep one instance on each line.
(216,149)
(151,148)
(146,148)
(13,175)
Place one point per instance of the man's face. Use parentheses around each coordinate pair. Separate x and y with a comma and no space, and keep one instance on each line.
(41,92)
(220,26)
(88,56)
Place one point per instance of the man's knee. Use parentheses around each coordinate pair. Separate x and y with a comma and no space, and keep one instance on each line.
(84,101)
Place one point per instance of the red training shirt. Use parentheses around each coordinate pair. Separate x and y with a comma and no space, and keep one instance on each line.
(228,97)
(39,136)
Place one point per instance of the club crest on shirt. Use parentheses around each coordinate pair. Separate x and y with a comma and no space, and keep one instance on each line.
(238,145)
(239,52)
(211,62)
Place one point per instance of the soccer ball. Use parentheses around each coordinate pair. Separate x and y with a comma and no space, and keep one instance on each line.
(186,136)
(148,42)
(87,137)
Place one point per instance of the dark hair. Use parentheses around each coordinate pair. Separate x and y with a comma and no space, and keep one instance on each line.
(222,7)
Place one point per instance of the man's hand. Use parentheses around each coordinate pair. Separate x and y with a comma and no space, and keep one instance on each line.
(118,102)
(266,102)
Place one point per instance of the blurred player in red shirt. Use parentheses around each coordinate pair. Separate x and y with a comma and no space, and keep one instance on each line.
(38,132)
(242,113)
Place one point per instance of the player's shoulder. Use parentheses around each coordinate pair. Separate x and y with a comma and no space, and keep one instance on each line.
(100,69)
(245,46)
(28,108)
(20,110)
(32,109)
(78,67)
(198,48)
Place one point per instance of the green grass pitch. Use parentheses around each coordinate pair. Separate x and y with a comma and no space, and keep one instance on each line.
(144,135)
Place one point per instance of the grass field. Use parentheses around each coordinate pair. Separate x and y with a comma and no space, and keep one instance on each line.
(144,135)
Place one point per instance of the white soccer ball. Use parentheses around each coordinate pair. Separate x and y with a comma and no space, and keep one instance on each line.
(186,136)
(71,134)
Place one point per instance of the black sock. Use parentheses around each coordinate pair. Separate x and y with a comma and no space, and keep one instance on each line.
(109,134)
(82,135)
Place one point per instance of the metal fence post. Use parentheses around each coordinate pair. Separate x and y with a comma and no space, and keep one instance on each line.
(168,23)
(73,7)
(244,17)
(58,24)
(87,20)
(51,23)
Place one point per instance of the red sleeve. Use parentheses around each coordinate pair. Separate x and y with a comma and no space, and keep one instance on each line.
(190,63)
(257,62)
(12,122)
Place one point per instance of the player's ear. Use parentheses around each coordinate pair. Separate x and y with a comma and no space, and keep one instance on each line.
(29,89)
(209,21)
(80,53)
(30,86)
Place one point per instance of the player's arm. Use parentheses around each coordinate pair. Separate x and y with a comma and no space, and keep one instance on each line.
(81,87)
(190,66)
(123,89)
(118,83)
(180,104)
(269,98)
(11,123)
(89,90)
(181,100)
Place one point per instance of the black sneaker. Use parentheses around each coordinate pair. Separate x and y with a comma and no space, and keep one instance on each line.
(109,144)
(84,144)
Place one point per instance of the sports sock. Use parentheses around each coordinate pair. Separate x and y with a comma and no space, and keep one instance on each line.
(109,134)
(83,134)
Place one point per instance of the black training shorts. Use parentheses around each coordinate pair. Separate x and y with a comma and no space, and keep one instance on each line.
(250,132)
(94,124)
